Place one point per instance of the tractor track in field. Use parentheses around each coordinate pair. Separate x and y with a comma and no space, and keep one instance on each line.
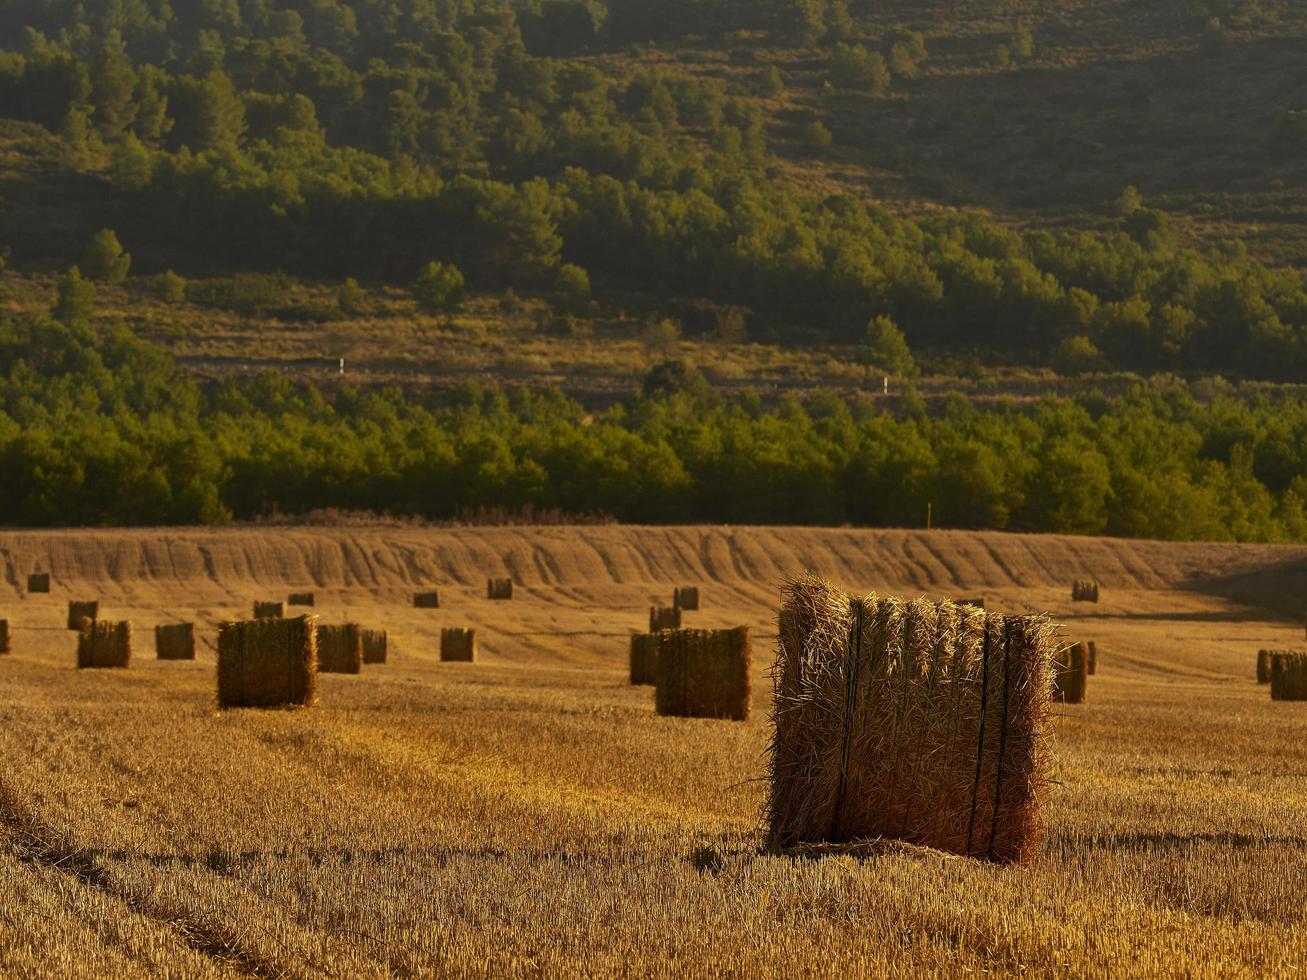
(31,840)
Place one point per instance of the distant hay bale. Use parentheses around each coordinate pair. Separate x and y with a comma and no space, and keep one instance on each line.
(4,637)
(104,644)
(1093,657)
(1264,666)
(687,598)
(426,600)
(664,618)
(265,663)
(300,599)
(38,582)
(175,641)
(1289,676)
(1071,674)
(917,721)
(644,658)
(77,611)
(376,646)
(340,649)
(978,602)
(268,610)
(457,644)
(703,673)
(499,588)
(1084,590)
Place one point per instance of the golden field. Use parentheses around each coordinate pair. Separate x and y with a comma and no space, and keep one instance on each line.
(530,815)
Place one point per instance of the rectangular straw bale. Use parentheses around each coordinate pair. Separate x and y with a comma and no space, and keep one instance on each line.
(664,618)
(703,673)
(687,598)
(264,663)
(1071,674)
(78,611)
(457,644)
(1289,676)
(340,649)
(1092,663)
(104,644)
(426,600)
(1264,665)
(268,610)
(38,582)
(175,641)
(499,588)
(300,599)
(4,637)
(1084,590)
(376,645)
(917,721)
(644,658)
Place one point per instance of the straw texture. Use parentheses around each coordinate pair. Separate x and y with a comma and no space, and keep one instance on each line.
(911,720)
(78,611)
(426,600)
(104,644)
(499,588)
(5,646)
(1071,677)
(458,644)
(268,610)
(340,649)
(664,618)
(376,646)
(1289,676)
(38,582)
(300,599)
(687,598)
(268,662)
(1084,590)
(175,641)
(703,673)
(644,658)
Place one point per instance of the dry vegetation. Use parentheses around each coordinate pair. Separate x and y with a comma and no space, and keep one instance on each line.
(530,814)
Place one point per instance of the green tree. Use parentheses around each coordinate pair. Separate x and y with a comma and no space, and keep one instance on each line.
(571,294)
(1078,355)
(113,86)
(351,297)
(816,138)
(210,114)
(105,259)
(76,300)
(885,348)
(131,167)
(170,287)
(438,288)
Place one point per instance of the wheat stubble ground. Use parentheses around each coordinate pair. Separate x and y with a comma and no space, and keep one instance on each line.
(529,814)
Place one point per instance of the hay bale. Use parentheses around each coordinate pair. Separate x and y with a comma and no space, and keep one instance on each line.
(426,600)
(175,641)
(300,599)
(458,644)
(703,673)
(644,658)
(979,602)
(1264,666)
(499,588)
(687,598)
(340,649)
(38,582)
(268,610)
(104,644)
(908,720)
(664,618)
(376,646)
(1093,657)
(1084,590)
(78,611)
(1071,674)
(268,662)
(1289,676)
(4,637)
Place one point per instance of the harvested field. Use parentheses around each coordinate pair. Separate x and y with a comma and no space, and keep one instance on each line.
(530,814)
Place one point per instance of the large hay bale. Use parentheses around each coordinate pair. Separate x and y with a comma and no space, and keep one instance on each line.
(664,618)
(687,598)
(426,600)
(300,599)
(78,611)
(1264,658)
(268,610)
(499,588)
(703,673)
(1071,674)
(457,644)
(644,658)
(1084,590)
(175,641)
(340,649)
(909,720)
(5,646)
(1092,663)
(1289,676)
(264,663)
(376,646)
(104,644)
(38,582)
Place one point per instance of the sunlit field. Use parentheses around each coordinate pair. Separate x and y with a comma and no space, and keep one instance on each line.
(529,814)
